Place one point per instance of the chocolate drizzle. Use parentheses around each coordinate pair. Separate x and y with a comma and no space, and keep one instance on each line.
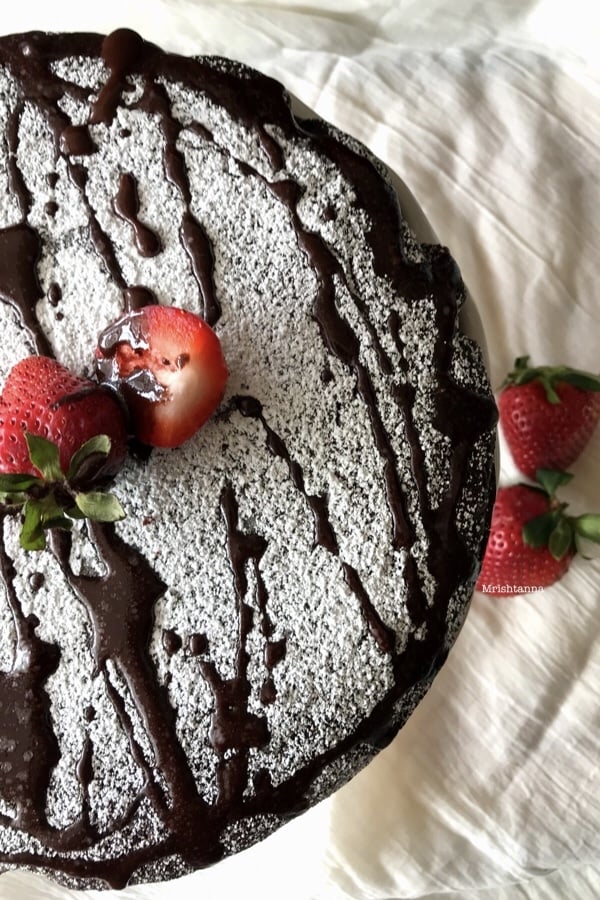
(126,204)
(16,181)
(324,534)
(19,286)
(28,747)
(193,237)
(235,730)
(120,603)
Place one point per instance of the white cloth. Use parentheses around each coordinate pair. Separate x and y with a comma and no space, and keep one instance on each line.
(490,111)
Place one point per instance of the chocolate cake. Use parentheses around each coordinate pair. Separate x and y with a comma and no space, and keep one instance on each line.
(286,584)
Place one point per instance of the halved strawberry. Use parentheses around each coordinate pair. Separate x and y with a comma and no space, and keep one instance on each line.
(168,365)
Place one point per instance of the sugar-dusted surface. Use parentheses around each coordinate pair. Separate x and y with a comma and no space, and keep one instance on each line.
(334,672)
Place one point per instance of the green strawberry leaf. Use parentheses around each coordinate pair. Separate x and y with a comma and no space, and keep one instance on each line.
(552,479)
(96,446)
(45,456)
(550,376)
(561,539)
(551,395)
(587,526)
(16,483)
(536,532)
(585,381)
(58,521)
(53,513)
(32,535)
(74,512)
(100,507)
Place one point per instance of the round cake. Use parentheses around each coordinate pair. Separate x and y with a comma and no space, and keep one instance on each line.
(286,584)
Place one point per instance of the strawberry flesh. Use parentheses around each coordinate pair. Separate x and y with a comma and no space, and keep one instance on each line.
(168,365)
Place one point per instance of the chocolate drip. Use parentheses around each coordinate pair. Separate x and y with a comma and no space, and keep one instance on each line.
(37,581)
(342,342)
(19,286)
(120,51)
(85,774)
(54,294)
(192,235)
(16,181)
(120,606)
(324,534)
(127,205)
(235,730)
(171,641)
(199,249)
(136,297)
(76,140)
(383,635)
(274,653)
(100,240)
(28,745)
(198,644)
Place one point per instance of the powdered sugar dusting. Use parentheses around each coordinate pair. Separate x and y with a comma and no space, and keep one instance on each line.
(334,671)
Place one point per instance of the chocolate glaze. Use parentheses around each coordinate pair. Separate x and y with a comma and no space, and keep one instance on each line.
(120,603)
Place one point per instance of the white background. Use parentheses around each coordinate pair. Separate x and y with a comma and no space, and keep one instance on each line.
(490,111)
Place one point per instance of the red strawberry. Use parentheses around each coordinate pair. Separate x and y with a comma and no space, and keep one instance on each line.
(168,365)
(532,541)
(44,398)
(59,433)
(548,415)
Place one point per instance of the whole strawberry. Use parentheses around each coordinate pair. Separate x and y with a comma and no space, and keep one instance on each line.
(548,414)
(44,398)
(60,436)
(532,541)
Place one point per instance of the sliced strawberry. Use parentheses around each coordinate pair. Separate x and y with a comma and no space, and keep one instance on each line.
(168,365)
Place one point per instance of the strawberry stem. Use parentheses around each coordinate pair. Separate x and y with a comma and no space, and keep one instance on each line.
(54,500)
(549,377)
(553,529)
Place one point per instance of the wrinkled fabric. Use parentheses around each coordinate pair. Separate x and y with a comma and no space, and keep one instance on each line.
(490,112)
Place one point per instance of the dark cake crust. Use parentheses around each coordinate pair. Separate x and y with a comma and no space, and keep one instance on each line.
(187,828)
